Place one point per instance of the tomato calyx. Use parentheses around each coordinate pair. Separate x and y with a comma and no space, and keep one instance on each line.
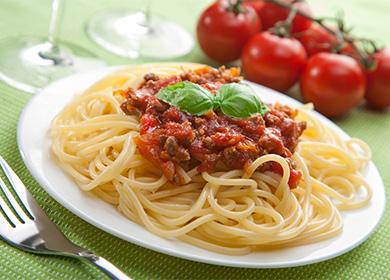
(283,28)
(236,6)
(370,48)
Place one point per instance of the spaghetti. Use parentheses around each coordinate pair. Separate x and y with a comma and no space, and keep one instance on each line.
(227,211)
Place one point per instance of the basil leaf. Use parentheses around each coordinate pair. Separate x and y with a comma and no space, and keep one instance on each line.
(239,100)
(188,97)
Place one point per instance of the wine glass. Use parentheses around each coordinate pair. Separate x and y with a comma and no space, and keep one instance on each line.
(30,63)
(135,34)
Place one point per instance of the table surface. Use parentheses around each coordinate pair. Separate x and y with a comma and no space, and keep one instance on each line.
(371,260)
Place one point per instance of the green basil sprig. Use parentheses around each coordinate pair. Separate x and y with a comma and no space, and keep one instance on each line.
(188,97)
(235,99)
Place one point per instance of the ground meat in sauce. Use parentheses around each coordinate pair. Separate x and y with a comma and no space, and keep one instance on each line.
(170,137)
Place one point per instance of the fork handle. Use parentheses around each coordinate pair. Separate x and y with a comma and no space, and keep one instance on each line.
(108,268)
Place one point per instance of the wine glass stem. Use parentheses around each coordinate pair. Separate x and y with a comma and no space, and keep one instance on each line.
(52,51)
(56,9)
(147,13)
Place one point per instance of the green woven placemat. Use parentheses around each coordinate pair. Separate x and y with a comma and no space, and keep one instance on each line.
(371,260)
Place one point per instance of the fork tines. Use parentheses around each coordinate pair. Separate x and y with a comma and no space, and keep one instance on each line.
(14,215)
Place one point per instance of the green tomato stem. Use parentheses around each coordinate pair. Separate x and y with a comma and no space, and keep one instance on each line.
(235,6)
(341,35)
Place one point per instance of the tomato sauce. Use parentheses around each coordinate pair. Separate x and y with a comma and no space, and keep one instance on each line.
(170,138)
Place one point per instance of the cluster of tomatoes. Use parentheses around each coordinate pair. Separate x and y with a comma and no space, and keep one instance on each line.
(329,76)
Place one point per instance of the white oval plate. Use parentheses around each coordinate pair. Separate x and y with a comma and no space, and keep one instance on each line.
(34,143)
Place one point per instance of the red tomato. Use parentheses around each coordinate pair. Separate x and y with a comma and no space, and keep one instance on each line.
(378,81)
(334,83)
(316,39)
(255,4)
(273,61)
(271,14)
(222,33)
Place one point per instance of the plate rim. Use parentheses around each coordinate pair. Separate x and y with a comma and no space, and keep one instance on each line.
(42,182)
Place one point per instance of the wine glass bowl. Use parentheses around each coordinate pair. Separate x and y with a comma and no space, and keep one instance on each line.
(134,34)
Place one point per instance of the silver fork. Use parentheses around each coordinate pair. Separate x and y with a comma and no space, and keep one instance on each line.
(31,229)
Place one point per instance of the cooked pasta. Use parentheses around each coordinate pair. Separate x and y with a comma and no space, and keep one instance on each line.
(227,211)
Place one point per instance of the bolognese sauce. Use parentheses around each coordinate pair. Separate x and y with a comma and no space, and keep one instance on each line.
(170,138)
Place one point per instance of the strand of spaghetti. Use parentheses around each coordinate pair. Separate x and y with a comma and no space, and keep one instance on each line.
(95,139)
(178,218)
(102,144)
(235,215)
(228,182)
(85,128)
(173,191)
(115,168)
(130,194)
(153,184)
